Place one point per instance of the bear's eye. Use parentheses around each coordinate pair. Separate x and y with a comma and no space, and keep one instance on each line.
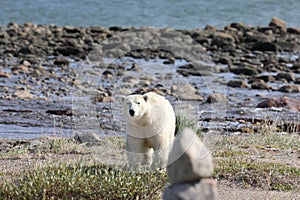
(138,103)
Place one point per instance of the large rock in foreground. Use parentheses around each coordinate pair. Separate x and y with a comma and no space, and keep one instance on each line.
(189,159)
(190,162)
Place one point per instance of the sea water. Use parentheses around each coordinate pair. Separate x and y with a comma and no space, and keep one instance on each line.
(189,14)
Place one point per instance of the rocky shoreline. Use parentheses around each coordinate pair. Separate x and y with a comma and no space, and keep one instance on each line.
(39,66)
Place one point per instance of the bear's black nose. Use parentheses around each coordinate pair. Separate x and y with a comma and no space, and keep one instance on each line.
(131,112)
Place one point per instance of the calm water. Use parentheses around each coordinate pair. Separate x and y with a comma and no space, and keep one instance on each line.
(169,13)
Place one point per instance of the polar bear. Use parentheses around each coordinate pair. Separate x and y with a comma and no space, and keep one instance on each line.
(150,129)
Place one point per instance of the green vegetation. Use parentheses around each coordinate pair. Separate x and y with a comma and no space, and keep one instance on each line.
(266,175)
(83,182)
(241,160)
(183,121)
(275,140)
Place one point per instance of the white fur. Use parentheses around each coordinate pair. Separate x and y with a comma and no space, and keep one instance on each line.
(150,129)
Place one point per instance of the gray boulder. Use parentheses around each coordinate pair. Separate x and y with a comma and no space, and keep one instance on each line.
(189,160)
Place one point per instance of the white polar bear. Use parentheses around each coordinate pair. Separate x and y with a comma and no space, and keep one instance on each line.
(150,126)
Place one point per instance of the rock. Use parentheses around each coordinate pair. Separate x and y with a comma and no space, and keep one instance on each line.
(290,103)
(287,46)
(206,189)
(290,77)
(259,84)
(194,70)
(222,39)
(23,94)
(20,69)
(237,84)
(278,23)
(71,30)
(265,46)
(87,137)
(296,68)
(67,112)
(4,75)
(69,50)
(266,78)
(240,27)
(189,97)
(290,88)
(293,30)
(217,98)
(35,144)
(254,36)
(130,79)
(26,63)
(104,99)
(189,159)
(187,92)
(246,69)
(225,61)
(61,61)
(26,50)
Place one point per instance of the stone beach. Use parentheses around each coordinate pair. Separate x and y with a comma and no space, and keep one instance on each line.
(41,65)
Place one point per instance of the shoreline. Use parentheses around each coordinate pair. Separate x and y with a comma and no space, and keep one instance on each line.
(52,40)
(246,68)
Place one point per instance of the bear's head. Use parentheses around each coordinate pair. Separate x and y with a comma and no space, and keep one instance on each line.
(135,107)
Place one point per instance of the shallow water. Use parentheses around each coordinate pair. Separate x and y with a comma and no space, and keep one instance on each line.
(29,119)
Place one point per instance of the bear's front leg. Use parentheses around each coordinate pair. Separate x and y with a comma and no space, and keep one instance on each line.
(161,153)
(139,155)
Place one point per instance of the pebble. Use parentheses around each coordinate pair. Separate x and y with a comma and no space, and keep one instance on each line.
(4,75)
(289,77)
(290,88)
(23,94)
(87,138)
(259,84)
(187,92)
(237,84)
(217,98)
(61,61)
(278,23)
(290,103)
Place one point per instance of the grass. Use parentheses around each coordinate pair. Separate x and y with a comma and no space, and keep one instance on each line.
(15,153)
(42,147)
(83,182)
(98,181)
(228,142)
(185,118)
(237,160)
(266,175)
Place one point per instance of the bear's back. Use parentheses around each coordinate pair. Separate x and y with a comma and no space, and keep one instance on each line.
(161,109)
(156,99)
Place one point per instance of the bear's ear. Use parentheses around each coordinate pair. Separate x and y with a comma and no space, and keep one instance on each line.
(120,98)
(146,98)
